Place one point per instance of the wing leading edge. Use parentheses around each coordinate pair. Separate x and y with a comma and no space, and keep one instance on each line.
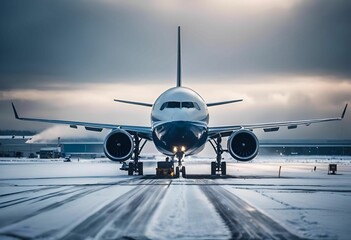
(270,126)
(144,132)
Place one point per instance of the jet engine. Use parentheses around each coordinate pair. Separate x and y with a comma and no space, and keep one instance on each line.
(243,145)
(118,145)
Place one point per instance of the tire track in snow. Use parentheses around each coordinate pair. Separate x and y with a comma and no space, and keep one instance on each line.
(126,217)
(73,192)
(72,188)
(42,197)
(34,190)
(243,220)
(72,195)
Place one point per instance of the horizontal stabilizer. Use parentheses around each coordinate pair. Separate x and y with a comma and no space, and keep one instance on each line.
(222,103)
(135,103)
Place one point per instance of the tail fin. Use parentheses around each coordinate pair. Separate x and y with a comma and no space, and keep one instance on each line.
(179,71)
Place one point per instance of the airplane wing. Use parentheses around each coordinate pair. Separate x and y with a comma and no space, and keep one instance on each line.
(225,131)
(143,132)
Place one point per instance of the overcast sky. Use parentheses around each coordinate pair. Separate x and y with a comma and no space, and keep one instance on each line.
(289,60)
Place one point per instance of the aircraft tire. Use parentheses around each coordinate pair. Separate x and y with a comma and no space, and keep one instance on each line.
(140,168)
(131,169)
(183,172)
(224,168)
(177,172)
(213,168)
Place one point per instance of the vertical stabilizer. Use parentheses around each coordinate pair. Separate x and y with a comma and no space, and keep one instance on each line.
(179,71)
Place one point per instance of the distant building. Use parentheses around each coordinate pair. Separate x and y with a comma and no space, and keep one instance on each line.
(16,146)
(83,149)
(305,147)
(50,152)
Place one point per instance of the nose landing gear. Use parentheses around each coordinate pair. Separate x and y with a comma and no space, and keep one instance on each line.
(180,168)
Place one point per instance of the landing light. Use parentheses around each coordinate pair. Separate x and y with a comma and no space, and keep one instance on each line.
(182,149)
(175,149)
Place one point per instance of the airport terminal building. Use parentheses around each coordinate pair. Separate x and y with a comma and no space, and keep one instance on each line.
(17,146)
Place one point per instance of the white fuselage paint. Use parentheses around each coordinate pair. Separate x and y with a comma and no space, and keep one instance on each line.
(177,126)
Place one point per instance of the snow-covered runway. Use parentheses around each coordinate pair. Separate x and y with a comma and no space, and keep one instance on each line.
(95,200)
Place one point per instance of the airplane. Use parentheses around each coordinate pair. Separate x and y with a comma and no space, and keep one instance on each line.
(179,128)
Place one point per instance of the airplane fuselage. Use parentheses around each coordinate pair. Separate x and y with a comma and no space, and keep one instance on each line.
(179,121)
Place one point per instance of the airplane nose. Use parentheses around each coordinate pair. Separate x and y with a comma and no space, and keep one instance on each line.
(180,116)
(179,134)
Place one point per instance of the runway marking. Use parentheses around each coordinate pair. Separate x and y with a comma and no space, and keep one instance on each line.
(243,220)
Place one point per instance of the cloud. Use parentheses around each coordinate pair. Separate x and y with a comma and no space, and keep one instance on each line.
(295,98)
(121,41)
(69,59)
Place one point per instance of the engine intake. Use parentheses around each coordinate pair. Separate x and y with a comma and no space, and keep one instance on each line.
(118,145)
(243,145)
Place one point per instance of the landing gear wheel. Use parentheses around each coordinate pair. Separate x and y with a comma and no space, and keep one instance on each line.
(140,168)
(224,168)
(177,172)
(183,172)
(213,168)
(218,166)
(131,169)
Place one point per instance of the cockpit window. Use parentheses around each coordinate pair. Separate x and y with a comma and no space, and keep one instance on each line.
(170,105)
(173,105)
(187,105)
(196,106)
(179,105)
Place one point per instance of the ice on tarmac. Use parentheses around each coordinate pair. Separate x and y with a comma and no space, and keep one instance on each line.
(56,200)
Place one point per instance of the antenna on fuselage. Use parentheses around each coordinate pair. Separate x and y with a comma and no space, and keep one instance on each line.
(179,71)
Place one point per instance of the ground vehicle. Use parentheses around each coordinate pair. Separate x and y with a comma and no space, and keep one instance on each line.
(165,169)
(67,159)
(124,167)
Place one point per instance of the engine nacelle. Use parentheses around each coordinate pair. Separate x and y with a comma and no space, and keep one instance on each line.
(243,145)
(118,145)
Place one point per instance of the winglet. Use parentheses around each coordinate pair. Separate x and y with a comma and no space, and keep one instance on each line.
(343,113)
(14,110)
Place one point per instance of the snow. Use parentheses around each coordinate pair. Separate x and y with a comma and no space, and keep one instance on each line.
(52,199)
(188,212)
(65,217)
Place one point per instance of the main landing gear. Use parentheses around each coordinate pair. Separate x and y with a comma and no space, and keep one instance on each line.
(218,167)
(180,168)
(136,166)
